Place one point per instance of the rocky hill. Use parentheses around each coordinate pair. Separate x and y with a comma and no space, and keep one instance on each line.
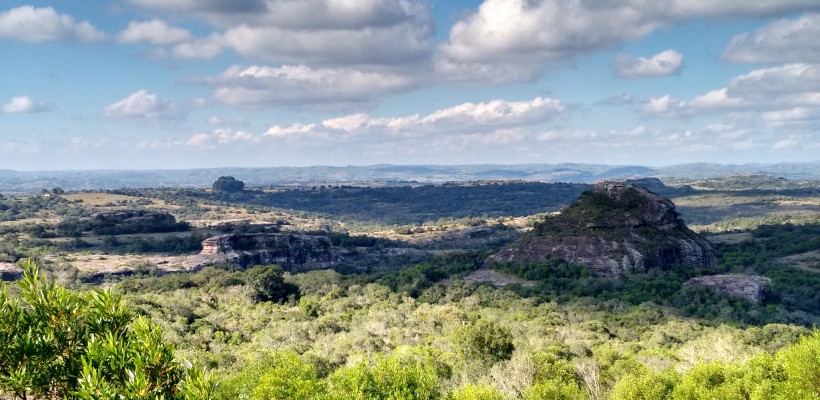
(615,227)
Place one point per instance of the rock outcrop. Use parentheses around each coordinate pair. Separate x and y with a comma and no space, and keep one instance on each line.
(10,271)
(293,252)
(615,227)
(749,287)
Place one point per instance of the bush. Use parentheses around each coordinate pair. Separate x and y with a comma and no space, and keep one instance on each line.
(395,377)
(61,344)
(485,341)
(645,385)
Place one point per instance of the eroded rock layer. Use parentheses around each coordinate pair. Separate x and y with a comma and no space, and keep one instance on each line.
(290,251)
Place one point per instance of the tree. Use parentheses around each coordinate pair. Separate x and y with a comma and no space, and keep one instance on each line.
(228,184)
(57,344)
(269,284)
(484,341)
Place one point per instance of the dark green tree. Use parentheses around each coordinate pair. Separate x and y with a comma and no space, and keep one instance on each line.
(228,184)
(269,284)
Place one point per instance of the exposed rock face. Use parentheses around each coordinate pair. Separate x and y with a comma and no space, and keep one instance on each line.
(613,228)
(749,287)
(290,251)
(10,271)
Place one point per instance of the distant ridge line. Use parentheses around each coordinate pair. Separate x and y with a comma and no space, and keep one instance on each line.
(30,181)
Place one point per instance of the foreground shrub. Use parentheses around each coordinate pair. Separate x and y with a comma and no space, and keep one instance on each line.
(57,343)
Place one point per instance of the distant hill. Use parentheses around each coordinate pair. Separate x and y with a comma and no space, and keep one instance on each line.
(32,181)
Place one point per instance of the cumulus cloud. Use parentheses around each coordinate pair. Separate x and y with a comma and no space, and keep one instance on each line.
(783,96)
(155,31)
(785,40)
(667,62)
(24,104)
(35,25)
(289,131)
(467,118)
(142,105)
(665,106)
(312,31)
(510,40)
(259,86)
(219,138)
(390,45)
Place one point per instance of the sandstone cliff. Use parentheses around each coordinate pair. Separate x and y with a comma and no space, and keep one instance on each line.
(615,227)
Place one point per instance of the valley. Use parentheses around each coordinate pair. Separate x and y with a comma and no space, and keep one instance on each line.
(428,284)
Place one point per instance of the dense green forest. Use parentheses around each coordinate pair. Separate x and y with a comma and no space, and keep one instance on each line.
(408,204)
(321,335)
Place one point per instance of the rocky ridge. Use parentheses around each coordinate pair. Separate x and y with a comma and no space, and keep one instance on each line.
(616,227)
(293,252)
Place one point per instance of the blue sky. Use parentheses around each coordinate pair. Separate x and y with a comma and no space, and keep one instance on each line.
(146,84)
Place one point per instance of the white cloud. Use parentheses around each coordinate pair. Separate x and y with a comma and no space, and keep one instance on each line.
(24,104)
(667,62)
(787,79)
(260,86)
(467,118)
(335,32)
(34,25)
(785,40)
(496,113)
(297,15)
(199,49)
(145,106)
(665,106)
(295,129)
(220,138)
(155,31)
(783,96)
(513,40)
(787,143)
(404,43)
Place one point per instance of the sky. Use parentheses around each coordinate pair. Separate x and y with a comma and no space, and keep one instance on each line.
(167,84)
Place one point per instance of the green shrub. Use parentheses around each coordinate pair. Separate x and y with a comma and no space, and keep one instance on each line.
(645,385)
(57,343)
(485,341)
